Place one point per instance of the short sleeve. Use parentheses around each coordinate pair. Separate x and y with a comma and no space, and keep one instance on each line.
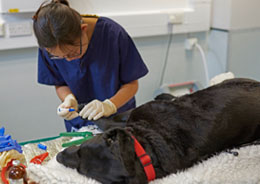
(48,73)
(132,67)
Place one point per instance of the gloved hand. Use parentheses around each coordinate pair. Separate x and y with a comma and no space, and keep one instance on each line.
(97,109)
(69,102)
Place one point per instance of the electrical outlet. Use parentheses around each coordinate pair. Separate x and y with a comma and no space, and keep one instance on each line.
(190,43)
(176,18)
(19,29)
(2,31)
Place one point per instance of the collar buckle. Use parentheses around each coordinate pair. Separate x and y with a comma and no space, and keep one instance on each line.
(145,160)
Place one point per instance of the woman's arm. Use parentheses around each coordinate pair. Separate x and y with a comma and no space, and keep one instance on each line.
(62,92)
(96,109)
(125,93)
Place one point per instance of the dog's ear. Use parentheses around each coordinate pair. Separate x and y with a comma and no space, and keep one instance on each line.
(121,138)
(110,136)
(165,96)
(116,135)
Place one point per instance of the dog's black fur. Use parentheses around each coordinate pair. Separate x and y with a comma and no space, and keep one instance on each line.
(176,134)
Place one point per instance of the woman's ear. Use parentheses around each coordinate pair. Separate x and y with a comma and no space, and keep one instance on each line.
(84,27)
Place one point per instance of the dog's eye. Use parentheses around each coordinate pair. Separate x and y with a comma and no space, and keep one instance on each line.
(109,141)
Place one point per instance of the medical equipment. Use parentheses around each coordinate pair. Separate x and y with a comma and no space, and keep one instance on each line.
(179,89)
(7,143)
(66,109)
(39,158)
(86,136)
(43,147)
(14,172)
(2,131)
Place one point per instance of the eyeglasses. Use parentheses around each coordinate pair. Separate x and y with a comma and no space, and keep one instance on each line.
(68,56)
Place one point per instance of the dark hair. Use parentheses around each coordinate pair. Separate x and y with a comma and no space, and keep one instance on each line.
(55,23)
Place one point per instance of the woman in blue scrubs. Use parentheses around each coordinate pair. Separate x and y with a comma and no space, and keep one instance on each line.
(89,59)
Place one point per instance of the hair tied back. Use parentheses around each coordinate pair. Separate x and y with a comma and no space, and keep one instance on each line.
(65,2)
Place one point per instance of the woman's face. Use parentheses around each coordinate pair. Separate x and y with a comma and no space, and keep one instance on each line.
(70,52)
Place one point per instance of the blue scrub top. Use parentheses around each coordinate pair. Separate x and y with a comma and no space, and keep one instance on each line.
(110,61)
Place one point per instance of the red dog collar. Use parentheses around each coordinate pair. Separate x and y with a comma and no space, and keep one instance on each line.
(145,160)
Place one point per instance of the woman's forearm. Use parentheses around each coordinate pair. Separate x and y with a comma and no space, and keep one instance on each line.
(62,92)
(125,93)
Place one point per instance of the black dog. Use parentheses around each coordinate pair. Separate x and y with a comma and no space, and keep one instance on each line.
(176,134)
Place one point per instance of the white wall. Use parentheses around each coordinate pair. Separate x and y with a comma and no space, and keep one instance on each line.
(238,41)
(184,65)
(244,54)
(27,109)
(217,54)
(152,18)
(236,51)
(181,65)
(235,14)
(123,6)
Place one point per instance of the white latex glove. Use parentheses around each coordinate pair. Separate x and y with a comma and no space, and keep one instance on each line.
(70,102)
(97,109)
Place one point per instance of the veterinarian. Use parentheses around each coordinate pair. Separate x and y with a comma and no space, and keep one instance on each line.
(89,59)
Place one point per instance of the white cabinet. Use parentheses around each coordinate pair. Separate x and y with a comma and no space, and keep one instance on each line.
(235,14)
(14,6)
(142,18)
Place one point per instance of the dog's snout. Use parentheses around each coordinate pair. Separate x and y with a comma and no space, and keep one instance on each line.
(69,157)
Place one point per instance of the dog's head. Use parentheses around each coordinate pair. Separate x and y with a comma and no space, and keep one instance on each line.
(108,157)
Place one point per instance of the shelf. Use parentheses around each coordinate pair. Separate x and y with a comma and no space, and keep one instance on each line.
(19,6)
